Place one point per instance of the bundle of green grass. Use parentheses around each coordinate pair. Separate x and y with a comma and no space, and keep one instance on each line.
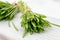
(31,22)
(7,11)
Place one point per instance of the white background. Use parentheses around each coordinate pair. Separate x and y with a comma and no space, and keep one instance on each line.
(50,8)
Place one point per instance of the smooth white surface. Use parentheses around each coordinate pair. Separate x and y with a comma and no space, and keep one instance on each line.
(50,8)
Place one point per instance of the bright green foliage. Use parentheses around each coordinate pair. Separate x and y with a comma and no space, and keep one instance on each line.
(31,21)
(7,11)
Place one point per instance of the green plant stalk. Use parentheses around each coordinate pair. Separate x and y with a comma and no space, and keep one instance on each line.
(55,24)
(9,23)
(15,27)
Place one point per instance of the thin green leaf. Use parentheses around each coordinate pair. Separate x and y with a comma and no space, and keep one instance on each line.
(15,27)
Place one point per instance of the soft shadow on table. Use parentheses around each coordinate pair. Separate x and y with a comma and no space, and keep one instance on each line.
(3,37)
